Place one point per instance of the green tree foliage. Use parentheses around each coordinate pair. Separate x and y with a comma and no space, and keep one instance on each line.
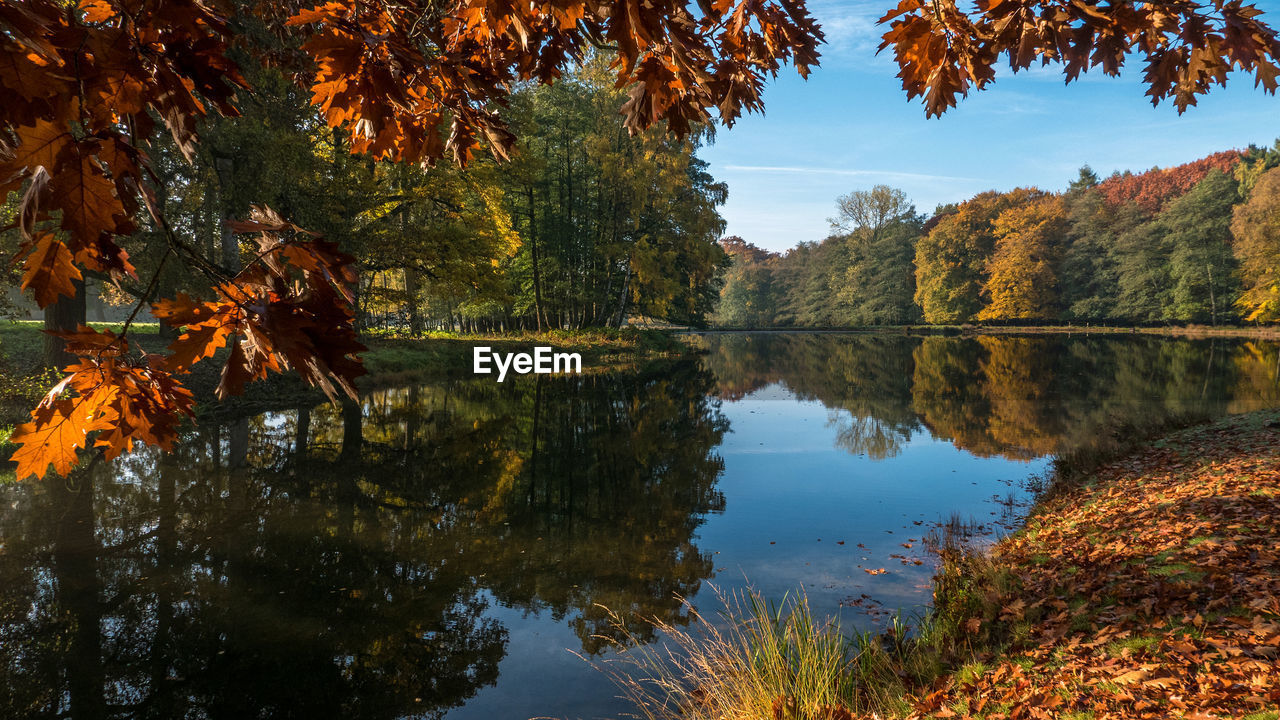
(1179,267)
(862,274)
(1088,276)
(877,284)
(446,230)
(747,297)
(807,276)
(611,224)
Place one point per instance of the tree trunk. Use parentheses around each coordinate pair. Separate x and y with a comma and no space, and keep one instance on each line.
(622,298)
(238,444)
(75,571)
(303,435)
(411,285)
(533,247)
(66,314)
(225,167)
(1213,302)
(352,430)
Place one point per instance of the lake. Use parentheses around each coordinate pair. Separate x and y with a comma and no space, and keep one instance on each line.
(449,549)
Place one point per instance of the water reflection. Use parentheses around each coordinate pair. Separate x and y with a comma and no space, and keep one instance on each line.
(340,561)
(1017,397)
(394,557)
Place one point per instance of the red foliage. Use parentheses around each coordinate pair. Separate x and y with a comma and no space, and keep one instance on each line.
(736,246)
(1155,187)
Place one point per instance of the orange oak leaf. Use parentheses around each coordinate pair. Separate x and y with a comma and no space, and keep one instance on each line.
(49,271)
(110,397)
(58,429)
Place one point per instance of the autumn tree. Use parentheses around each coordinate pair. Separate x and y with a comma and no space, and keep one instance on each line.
(1152,189)
(1254,163)
(88,87)
(951,260)
(1255,227)
(1022,276)
(944,51)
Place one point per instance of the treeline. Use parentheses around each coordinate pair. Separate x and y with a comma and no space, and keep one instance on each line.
(584,225)
(1197,243)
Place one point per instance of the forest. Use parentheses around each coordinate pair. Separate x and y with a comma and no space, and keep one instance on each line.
(582,226)
(1198,243)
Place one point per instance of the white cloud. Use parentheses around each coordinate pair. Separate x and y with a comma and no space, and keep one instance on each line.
(889,174)
(851,30)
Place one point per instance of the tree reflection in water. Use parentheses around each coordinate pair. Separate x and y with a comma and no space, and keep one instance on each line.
(339,561)
(1017,397)
(349,560)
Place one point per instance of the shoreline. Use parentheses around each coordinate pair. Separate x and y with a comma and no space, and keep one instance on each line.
(1189,331)
(389,361)
(1144,583)
(1146,587)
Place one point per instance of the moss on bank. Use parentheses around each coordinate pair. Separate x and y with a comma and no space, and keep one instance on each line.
(1147,586)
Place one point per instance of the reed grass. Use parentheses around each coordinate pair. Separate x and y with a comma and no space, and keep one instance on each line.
(768,661)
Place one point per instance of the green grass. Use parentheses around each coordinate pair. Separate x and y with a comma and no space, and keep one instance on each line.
(1133,645)
(970,672)
(450,354)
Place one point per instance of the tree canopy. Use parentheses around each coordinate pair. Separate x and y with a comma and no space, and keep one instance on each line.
(1192,243)
(93,89)
(90,86)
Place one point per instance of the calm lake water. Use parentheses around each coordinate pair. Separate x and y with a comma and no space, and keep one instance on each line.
(444,550)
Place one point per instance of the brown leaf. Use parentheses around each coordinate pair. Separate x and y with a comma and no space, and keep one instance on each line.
(49,271)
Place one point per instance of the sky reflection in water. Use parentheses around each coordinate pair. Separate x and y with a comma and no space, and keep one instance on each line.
(440,550)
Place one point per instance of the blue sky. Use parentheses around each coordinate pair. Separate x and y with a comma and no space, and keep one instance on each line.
(850,127)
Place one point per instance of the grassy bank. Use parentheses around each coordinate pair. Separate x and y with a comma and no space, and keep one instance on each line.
(390,360)
(450,355)
(1146,587)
